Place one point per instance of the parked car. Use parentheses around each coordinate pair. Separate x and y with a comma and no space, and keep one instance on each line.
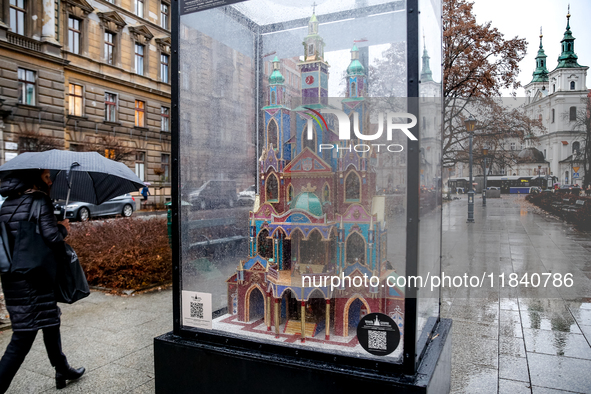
(214,193)
(247,196)
(123,205)
(569,189)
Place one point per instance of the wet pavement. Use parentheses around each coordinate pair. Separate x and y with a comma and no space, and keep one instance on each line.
(517,340)
(505,340)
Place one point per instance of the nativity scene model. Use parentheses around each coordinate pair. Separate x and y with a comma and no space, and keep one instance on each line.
(317,216)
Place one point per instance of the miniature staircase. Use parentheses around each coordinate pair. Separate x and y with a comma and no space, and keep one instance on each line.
(294,327)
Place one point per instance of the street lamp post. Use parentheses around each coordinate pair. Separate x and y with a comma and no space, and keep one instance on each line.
(540,175)
(485,155)
(470,126)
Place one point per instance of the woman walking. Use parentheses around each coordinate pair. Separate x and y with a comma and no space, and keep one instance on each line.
(30,297)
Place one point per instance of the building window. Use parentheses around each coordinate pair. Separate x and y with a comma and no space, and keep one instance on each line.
(352,187)
(512,145)
(140,163)
(164,11)
(272,189)
(576,147)
(165,160)
(109,47)
(17,16)
(572,85)
(164,119)
(27,144)
(164,67)
(553,115)
(140,112)
(139,7)
(110,107)
(139,59)
(76,100)
(74,35)
(26,86)
(272,134)
(553,88)
(544,153)
(572,114)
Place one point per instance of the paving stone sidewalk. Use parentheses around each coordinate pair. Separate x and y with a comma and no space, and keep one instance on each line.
(503,341)
(507,341)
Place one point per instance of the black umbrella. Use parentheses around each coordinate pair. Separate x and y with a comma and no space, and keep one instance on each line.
(93,178)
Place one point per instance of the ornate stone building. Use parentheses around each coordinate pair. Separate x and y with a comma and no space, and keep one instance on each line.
(556,97)
(88,75)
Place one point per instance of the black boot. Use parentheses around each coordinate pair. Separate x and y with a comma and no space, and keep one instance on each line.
(67,374)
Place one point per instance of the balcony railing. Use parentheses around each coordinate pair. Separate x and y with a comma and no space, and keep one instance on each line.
(23,41)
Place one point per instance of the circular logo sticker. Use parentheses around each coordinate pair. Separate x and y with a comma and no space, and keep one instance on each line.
(378,334)
(309,80)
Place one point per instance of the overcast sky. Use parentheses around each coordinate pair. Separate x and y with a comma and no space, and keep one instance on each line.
(523,18)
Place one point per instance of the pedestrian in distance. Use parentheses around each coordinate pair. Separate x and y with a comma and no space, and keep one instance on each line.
(145,193)
(30,297)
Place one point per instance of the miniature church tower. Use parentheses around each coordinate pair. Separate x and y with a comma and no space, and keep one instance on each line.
(277,118)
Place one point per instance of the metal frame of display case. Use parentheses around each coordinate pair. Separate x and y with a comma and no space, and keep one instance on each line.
(241,346)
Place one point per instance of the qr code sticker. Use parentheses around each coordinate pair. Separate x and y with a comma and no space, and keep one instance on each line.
(197,310)
(376,340)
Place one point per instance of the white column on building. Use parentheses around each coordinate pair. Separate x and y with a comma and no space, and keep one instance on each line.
(48,28)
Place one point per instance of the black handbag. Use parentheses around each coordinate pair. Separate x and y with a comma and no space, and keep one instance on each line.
(71,283)
(31,254)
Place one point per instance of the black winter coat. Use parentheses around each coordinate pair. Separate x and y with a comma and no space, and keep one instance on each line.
(30,299)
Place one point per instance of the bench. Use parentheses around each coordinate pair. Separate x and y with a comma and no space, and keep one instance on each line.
(558,205)
(574,208)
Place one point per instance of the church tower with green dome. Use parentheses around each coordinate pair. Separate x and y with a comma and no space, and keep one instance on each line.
(426,73)
(568,57)
(568,75)
(541,72)
(277,116)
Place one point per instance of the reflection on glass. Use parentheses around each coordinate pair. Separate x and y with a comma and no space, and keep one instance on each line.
(324,205)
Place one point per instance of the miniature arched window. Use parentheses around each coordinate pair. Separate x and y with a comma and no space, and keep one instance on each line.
(553,115)
(355,249)
(572,85)
(290,193)
(272,131)
(273,98)
(570,47)
(572,114)
(352,187)
(576,147)
(272,189)
(353,91)
(265,245)
(306,143)
(542,63)
(310,49)
(326,193)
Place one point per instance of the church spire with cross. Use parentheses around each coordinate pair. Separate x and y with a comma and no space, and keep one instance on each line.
(541,72)
(568,58)
(426,73)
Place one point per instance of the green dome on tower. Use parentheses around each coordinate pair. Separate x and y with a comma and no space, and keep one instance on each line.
(568,58)
(276,77)
(355,67)
(309,202)
(541,72)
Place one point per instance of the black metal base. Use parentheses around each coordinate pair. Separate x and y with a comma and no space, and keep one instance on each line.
(190,366)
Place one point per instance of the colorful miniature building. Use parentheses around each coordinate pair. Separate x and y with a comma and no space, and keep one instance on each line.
(317,216)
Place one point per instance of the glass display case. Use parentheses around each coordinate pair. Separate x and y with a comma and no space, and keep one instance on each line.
(307,162)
